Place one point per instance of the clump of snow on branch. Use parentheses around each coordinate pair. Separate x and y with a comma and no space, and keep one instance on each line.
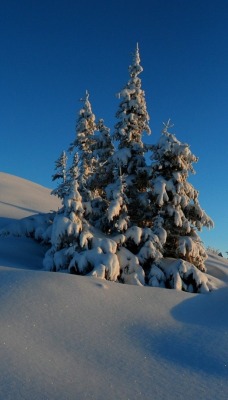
(96,263)
(131,271)
(180,275)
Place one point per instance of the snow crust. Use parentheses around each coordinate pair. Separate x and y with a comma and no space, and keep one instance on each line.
(70,337)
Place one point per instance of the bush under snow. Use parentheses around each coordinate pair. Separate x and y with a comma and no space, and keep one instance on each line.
(180,275)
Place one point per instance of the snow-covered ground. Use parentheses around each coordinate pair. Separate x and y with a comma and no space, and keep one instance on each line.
(68,337)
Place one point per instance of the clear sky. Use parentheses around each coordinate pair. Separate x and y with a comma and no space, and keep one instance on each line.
(52,51)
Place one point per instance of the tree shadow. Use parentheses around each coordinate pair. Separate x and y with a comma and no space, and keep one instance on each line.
(30,210)
(197,342)
(21,253)
(209,310)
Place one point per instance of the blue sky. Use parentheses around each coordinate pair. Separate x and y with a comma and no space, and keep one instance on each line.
(52,51)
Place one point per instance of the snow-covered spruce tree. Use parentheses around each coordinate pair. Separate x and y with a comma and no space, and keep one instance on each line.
(133,122)
(175,202)
(74,246)
(67,224)
(84,142)
(127,213)
(73,243)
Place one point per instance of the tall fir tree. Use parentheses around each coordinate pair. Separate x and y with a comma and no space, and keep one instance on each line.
(175,200)
(127,194)
(133,123)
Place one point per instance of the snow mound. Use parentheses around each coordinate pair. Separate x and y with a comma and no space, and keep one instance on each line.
(20,198)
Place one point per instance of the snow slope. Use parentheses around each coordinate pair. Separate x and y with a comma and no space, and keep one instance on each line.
(20,198)
(66,337)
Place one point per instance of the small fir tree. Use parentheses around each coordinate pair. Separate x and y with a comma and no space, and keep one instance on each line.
(175,200)
(84,142)
(73,243)
(68,223)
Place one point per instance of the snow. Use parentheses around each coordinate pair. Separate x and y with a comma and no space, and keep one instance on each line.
(70,337)
(132,273)
(181,275)
(134,233)
(20,198)
(122,156)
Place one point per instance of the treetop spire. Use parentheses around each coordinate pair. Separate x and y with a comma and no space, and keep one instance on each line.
(135,69)
(136,55)
(86,98)
(87,95)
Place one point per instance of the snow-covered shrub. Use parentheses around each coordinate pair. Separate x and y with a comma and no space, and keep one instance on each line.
(191,248)
(37,226)
(96,263)
(180,275)
(150,249)
(131,271)
(143,243)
